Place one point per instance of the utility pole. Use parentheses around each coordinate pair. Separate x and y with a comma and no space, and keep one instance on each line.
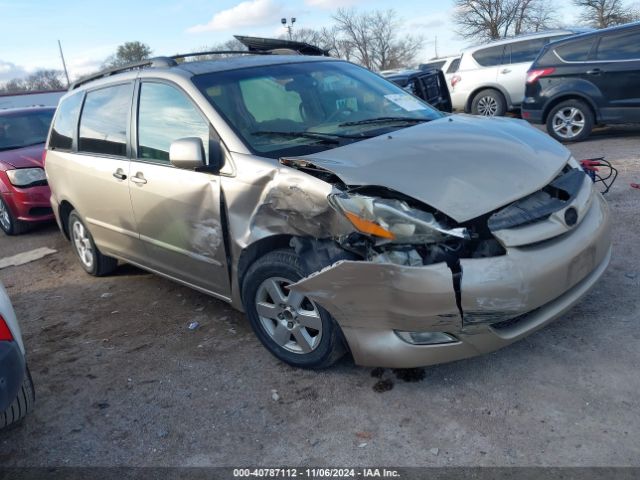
(64,65)
(436,46)
(289,27)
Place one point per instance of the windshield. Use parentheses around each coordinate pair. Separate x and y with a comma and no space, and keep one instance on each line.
(22,129)
(301,108)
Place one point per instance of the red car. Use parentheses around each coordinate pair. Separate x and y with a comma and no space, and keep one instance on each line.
(24,192)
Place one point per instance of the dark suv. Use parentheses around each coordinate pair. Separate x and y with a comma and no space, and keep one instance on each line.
(589,79)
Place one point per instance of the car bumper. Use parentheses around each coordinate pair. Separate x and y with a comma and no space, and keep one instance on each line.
(29,204)
(532,116)
(12,372)
(459,100)
(503,299)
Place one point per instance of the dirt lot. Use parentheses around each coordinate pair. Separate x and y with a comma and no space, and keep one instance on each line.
(121,380)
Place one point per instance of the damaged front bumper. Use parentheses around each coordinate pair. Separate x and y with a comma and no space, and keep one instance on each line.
(502,299)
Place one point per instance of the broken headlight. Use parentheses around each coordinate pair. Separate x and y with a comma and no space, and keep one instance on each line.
(392,220)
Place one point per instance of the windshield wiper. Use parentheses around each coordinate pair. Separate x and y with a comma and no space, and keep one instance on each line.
(15,147)
(368,121)
(333,138)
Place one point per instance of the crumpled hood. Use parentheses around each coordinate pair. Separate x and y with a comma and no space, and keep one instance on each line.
(23,157)
(463,166)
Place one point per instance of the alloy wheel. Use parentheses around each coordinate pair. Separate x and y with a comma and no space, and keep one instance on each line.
(5,220)
(487,106)
(82,243)
(289,318)
(568,122)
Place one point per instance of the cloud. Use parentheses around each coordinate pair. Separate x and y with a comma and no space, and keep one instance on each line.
(331,4)
(9,71)
(251,13)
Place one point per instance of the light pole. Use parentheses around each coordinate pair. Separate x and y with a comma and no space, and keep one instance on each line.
(289,27)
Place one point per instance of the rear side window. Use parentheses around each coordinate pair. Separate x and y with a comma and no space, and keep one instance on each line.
(65,123)
(104,119)
(489,57)
(454,66)
(522,52)
(621,46)
(577,51)
(165,114)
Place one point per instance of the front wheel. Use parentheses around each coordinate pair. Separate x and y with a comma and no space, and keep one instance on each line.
(570,121)
(91,259)
(292,327)
(21,405)
(8,223)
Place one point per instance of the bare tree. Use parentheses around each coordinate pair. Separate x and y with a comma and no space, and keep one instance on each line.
(373,39)
(39,80)
(493,19)
(606,13)
(128,52)
(233,44)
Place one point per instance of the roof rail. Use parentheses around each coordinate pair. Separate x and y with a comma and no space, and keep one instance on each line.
(255,46)
(217,52)
(152,62)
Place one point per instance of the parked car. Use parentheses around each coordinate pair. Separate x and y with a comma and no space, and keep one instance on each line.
(24,193)
(490,78)
(586,80)
(448,65)
(333,207)
(45,98)
(16,386)
(428,84)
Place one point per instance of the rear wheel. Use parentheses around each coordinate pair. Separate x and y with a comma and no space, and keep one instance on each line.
(91,259)
(21,405)
(489,103)
(292,327)
(570,121)
(8,223)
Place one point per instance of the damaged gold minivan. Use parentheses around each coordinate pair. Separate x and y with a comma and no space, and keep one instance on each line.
(340,212)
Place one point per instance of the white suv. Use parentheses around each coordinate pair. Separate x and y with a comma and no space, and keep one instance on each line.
(490,79)
(448,65)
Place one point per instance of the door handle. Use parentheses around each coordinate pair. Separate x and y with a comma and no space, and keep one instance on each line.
(595,71)
(138,179)
(505,70)
(119,174)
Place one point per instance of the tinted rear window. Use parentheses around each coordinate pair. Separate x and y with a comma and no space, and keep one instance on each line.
(522,52)
(66,123)
(489,57)
(104,119)
(577,51)
(621,46)
(454,66)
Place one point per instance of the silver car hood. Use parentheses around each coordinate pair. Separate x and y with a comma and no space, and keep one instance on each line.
(463,166)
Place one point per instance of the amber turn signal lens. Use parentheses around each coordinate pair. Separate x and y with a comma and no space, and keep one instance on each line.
(367,226)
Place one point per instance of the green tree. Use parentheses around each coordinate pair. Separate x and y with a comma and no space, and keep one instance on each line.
(128,52)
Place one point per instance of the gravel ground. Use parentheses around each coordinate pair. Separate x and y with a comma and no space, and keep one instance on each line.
(121,380)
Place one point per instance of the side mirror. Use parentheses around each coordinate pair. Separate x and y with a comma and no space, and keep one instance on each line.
(187,153)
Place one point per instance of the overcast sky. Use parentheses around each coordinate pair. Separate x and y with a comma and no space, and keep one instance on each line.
(91,30)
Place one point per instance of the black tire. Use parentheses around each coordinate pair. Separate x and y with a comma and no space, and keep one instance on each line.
(22,404)
(13,226)
(570,109)
(489,103)
(286,264)
(101,264)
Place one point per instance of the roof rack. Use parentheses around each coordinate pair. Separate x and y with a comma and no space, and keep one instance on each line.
(152,62)
(255,46)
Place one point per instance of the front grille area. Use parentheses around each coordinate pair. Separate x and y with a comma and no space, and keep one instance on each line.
(539,205)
